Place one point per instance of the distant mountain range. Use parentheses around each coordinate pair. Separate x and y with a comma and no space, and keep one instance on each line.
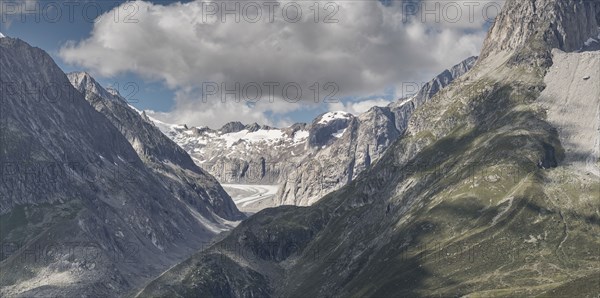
(306,161)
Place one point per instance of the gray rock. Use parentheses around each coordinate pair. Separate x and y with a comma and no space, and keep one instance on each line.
(333,162)
(101,199)
(242,154)
(157,151)
(534,27)
(232,127)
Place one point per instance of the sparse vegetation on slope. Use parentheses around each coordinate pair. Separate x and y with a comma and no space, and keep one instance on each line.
(474,201)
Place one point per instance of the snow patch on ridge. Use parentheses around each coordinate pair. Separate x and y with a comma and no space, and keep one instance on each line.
(339,133)
(300,136)
(207,145)
(330,116)
(261,135)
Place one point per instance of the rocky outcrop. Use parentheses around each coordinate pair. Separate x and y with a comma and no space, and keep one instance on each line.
(342,145)
(404,108)
(327,128)
(159,152)
(531,28)
(230,127)
(86,84)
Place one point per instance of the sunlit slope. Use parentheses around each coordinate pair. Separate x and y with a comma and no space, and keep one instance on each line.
(477,199)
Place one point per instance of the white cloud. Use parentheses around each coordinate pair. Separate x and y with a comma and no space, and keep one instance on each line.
(192,110)
(358,107)
(368,49)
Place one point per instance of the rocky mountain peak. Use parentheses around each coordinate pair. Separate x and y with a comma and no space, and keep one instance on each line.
(328,127)
(528,26)
(328,117)
(290,131)
(252,127)
(86,84)
(113,91)
(234,126)
(256,127)
(463,67)
(200,130)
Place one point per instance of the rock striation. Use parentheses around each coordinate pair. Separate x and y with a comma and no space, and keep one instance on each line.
(94,200)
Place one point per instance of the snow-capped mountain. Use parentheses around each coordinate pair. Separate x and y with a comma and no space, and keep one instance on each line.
(342,146)
(306,161)
(238,153)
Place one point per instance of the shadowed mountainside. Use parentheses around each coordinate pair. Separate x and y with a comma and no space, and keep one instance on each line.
(476,199)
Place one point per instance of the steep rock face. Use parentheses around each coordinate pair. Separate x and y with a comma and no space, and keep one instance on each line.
(404,108)
(350,149)
(342,145)
(376,132)
(159,152)
(232,127)
(87,85)
(322,168)
(27,111)
(476,199)
(77,196)
(327,127)
(572,105)
(565,25)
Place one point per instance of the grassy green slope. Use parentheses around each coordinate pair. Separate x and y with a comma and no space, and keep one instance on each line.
(472,201)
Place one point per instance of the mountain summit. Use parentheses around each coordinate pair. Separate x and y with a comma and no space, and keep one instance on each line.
(530,28)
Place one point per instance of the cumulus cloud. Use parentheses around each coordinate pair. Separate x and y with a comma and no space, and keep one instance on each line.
(214,112)
(350,48)
(358,107)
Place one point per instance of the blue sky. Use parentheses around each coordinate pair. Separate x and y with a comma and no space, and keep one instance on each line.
(368,53)
(53,30)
